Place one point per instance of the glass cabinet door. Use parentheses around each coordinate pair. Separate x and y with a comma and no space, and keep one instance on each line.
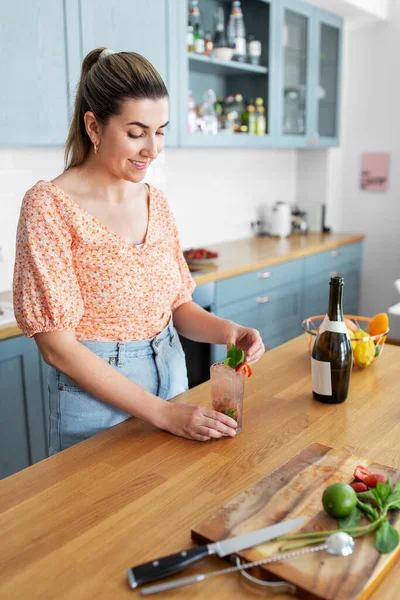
(328,93)
(296,58)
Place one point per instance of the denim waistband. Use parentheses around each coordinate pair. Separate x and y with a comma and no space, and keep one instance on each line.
(120,348)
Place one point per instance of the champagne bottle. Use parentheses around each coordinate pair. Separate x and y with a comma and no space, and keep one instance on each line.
(332,355)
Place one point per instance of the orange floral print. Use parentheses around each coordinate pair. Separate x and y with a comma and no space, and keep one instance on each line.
(72,272)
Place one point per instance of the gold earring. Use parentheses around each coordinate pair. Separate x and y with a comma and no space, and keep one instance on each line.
(96,147)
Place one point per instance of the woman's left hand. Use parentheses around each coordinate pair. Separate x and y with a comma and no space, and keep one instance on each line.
(248,340)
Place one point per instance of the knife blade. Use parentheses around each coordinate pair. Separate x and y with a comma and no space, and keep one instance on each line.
(167,565)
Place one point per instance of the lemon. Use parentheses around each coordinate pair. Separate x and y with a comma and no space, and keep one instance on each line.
(363,352)
(339,500)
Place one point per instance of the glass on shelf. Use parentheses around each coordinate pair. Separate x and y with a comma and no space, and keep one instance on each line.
(227,392)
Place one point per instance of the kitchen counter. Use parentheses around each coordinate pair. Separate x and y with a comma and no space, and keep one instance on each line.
(245,255)
(242,256)
(72,524)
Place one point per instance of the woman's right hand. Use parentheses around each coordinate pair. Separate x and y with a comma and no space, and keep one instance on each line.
(196,422)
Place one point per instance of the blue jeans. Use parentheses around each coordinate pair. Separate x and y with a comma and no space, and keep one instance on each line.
(158,365)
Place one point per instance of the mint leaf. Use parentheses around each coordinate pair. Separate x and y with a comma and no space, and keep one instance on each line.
(372,494)
(384,489)
(386,538)
(370,512)
(230,412)
(352,520)
(234,357)
(393,501)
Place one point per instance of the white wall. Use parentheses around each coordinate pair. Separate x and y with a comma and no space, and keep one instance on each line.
(371,123)
(214,194)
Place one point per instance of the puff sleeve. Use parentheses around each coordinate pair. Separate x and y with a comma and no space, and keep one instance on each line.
(46,292)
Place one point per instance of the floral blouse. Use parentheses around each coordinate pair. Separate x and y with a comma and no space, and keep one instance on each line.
(72,272)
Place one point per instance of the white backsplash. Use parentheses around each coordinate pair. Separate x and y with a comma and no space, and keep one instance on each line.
(214,194)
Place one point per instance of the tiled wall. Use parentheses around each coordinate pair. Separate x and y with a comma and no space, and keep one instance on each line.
(215,194)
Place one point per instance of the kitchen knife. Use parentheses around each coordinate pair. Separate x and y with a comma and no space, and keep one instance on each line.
(167,565)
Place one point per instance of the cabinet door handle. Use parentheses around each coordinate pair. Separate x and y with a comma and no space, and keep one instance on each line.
(335,253)
(262,299)
(264,275)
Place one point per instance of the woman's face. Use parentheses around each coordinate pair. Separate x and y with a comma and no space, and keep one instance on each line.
(133,139)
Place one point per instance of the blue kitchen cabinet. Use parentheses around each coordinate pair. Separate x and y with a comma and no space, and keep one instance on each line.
(34,73)
(267,299)
(22,406)
(198,73)
(310,52)
(345,262)
(148,28)
(298,77)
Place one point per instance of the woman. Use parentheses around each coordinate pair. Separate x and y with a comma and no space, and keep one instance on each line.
(100,280)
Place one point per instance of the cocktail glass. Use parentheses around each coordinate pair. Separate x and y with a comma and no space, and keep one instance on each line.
(227,390)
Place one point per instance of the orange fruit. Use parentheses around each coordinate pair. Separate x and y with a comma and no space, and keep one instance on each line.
(379,324)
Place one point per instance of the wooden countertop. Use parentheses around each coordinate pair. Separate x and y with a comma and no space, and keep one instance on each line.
(242,256)
(71,525)
(245,255)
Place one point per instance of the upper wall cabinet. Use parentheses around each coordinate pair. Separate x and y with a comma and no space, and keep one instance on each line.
(309,81)
(232,81)
(33,73)
(328,35)
(294,82)
(142,27)
(297,77)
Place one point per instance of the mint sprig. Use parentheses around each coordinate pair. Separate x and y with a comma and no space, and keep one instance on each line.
(374,504)
(234,357)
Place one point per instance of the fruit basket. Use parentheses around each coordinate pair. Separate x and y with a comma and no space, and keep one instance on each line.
(367,348)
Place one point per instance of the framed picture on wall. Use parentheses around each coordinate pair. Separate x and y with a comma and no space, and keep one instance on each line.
(375,171)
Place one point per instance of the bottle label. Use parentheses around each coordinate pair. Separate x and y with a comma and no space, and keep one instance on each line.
(321,377)
(239,46)
(199,46)
(334,326)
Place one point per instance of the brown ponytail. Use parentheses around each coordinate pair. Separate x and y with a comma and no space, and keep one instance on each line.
(103,86)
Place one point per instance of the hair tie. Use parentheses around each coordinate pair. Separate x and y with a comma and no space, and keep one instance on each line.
(106,52)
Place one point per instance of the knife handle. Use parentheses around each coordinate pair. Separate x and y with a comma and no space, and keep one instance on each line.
(167,565)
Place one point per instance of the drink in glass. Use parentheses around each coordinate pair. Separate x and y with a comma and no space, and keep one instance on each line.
(227,390)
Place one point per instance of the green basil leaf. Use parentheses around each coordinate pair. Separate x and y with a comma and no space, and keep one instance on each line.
(393,499)
(384,489)
(234,357)
(370,512)
(397,487)
(353,520)
(386,538)
(370,495)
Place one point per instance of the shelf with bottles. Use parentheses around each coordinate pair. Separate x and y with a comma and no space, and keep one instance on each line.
(209,64)
(229,118)
(217,37)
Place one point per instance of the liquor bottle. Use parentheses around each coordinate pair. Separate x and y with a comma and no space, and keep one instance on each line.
(199,43)
(219,40)
(332,355)
(194,13)
(237,32)
(190,39)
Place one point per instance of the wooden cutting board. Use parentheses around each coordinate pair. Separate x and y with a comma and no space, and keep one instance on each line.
(295,489)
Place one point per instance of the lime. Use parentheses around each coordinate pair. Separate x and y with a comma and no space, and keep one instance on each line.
(339,499)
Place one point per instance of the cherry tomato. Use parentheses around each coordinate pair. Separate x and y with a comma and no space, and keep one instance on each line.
(372,480)
(245,369)
(361,473)
(359,486)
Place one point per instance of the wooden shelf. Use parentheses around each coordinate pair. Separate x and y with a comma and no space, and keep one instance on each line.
(205,64)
